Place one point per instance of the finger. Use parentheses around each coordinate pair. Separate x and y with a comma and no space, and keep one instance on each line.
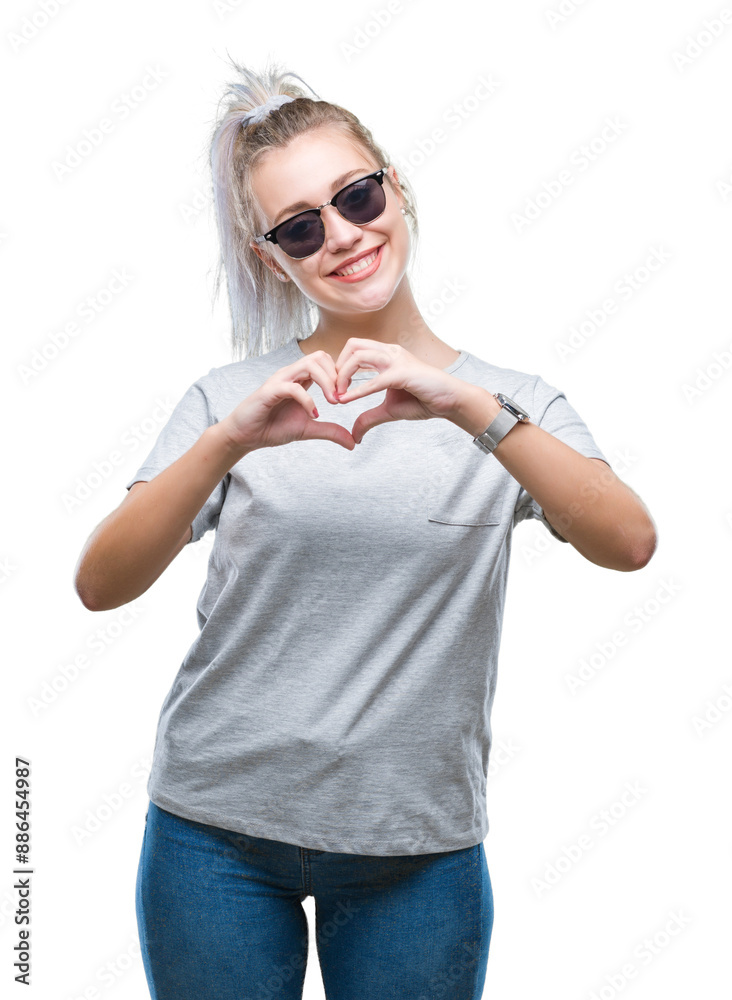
(360,359)
(321,369)
(316,429)
(352,345)
(316,367)
(296,391)
(368,419)
(329,432)
(366,388)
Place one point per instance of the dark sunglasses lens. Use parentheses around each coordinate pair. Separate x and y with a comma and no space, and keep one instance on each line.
(362,202)
(301,236)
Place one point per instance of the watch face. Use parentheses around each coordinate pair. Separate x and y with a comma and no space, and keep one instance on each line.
(512,406)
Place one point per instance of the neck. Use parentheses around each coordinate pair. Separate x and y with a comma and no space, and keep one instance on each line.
(398,322)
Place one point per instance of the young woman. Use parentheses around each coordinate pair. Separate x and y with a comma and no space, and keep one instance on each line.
(328,732)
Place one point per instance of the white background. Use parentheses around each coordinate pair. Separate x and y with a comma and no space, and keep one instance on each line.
(651,382)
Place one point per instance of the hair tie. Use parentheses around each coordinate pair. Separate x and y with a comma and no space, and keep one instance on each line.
(259,113)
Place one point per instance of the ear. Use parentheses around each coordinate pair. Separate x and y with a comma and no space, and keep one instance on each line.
(392,174)
(266,259)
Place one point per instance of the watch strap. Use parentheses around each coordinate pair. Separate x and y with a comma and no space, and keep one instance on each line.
(501,424)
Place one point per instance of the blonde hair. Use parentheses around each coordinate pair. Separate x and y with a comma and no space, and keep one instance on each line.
(265,312)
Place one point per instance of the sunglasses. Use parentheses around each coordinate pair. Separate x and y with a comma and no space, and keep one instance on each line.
(359,202)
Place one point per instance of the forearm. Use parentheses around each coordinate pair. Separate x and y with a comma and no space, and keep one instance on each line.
(132,546)
(582,498)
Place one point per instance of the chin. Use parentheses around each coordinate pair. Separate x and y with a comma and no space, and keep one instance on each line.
(373,294)
(372,299)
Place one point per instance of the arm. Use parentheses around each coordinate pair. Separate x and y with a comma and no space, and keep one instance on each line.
(581,497)
(130,548)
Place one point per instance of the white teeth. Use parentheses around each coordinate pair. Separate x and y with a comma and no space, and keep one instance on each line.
(360,264)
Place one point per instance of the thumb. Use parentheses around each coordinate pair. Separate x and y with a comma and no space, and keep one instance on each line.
(368,419)
(326,431)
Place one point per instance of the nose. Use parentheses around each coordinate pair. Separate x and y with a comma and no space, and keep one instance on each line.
(339,232)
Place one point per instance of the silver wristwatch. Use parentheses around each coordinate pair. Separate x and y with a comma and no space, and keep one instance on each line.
(509,415)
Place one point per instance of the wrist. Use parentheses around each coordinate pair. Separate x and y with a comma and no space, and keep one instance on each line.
(221,435)
(475,409)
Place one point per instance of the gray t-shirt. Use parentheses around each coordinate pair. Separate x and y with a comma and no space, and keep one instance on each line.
(338,695)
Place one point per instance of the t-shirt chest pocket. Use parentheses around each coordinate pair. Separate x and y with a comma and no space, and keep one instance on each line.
(466,487)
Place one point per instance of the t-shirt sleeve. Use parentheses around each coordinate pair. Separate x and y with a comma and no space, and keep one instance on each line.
(187,422)
(553,412)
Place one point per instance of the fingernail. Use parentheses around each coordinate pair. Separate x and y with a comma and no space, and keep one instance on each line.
(315,412)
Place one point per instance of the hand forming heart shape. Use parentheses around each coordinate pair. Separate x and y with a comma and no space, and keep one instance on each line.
(415,390)
(282,410)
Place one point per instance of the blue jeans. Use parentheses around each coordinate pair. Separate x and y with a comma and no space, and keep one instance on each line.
(220,917)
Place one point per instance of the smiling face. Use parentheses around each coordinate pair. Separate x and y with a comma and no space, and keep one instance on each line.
(306,173)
